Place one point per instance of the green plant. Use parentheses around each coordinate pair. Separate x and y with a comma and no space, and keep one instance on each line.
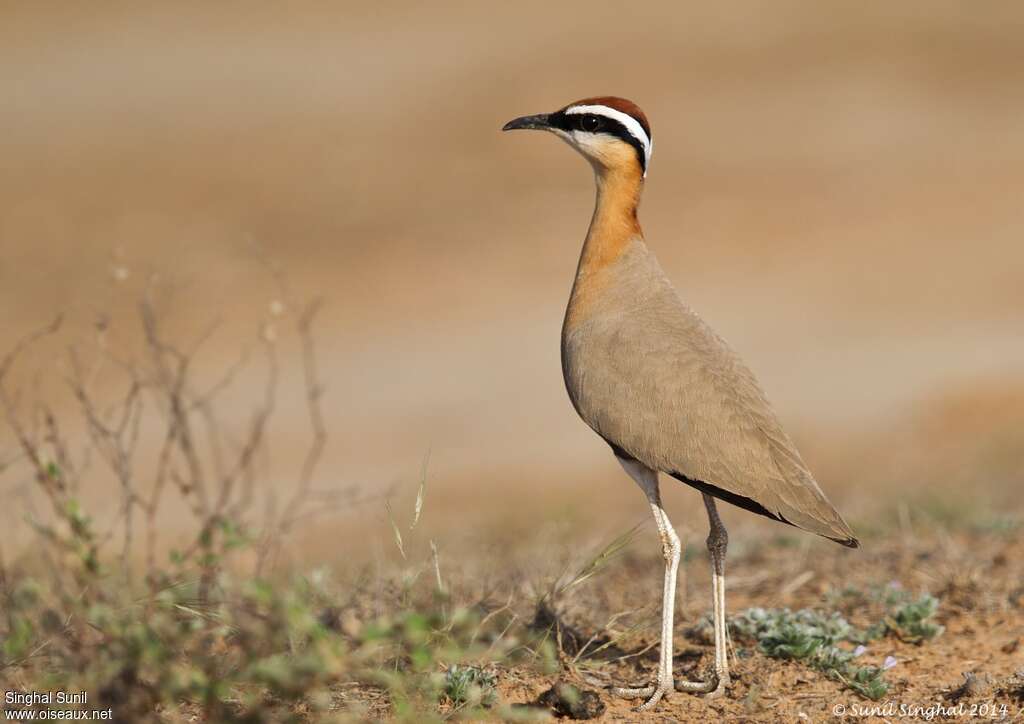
(912,622)
(469,685)
(814,638)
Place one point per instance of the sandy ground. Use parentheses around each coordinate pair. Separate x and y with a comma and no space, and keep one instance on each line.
(981,611)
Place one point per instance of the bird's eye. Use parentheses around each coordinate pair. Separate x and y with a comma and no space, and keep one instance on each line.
(590,123)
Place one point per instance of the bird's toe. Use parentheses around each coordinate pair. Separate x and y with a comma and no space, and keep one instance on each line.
(633,692)
(696,687)
(650,694)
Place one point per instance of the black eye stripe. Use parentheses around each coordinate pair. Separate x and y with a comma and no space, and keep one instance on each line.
(607,126)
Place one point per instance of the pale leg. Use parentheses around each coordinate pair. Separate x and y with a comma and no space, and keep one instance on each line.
(647,479)
(718,542)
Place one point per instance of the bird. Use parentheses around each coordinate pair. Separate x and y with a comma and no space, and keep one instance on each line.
(661,387)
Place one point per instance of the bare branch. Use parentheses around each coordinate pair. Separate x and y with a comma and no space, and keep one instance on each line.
(314,392)
(26,342)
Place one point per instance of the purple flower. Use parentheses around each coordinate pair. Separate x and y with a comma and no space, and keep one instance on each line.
(890,661)
(860,650)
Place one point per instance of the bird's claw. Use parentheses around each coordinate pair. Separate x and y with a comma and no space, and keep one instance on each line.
(721,683)
(651,694)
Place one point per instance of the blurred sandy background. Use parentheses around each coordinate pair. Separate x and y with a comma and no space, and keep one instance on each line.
(837,187)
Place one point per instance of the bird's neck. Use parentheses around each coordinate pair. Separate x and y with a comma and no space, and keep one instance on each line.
(614,225)
(613,229)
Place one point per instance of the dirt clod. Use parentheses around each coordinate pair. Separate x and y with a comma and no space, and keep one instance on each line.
(974,685)
(570,640)
(1012,688)
(568,701)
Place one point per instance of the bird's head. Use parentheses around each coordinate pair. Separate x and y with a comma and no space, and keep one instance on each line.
(612,133)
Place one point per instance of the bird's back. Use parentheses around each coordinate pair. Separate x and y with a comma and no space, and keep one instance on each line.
(659,385)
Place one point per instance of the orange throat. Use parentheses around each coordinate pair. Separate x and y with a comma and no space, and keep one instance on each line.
(613,229)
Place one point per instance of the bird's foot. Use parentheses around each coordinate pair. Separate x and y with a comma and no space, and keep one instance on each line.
(650,694)
(654,693)
(721,683)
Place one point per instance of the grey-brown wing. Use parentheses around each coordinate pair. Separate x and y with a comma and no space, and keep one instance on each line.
(672,394)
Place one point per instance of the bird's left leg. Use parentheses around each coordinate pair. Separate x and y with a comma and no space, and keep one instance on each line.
(718,542)
(647,479)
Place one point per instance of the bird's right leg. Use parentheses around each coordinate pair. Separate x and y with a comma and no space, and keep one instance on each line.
(671,548)
(718,542)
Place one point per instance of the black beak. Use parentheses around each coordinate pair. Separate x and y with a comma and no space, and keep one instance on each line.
(539,121)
